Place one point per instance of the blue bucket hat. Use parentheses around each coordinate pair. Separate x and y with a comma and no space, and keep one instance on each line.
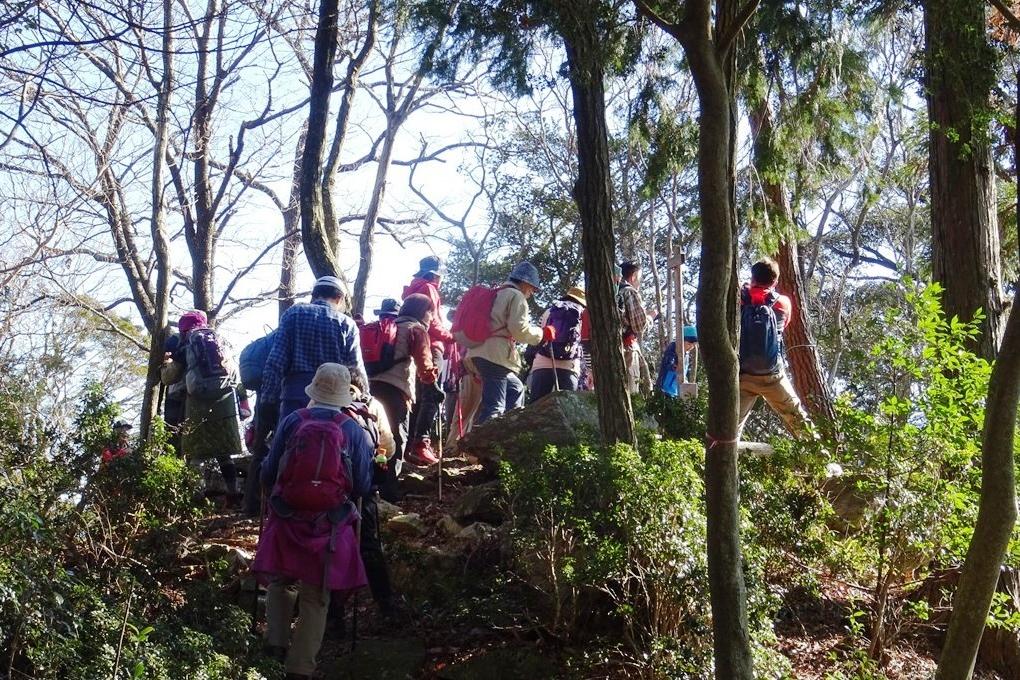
(430,265)
(690,334)
(389,306)
(525,272)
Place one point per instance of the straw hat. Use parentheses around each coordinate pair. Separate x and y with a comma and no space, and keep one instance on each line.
(331,386)
(577,295)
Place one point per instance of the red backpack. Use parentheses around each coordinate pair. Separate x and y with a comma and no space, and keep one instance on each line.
(472,320)
(315,474)
(378,344)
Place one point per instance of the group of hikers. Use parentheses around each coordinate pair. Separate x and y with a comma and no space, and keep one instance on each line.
(344,403)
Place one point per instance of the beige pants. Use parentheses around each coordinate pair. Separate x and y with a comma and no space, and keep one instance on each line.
(778,392)
(313,605)
(633,360)
(469,399)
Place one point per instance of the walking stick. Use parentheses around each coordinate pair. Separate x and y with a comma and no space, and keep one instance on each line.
(354,597)
(262,523)
(556,375)
(440,490)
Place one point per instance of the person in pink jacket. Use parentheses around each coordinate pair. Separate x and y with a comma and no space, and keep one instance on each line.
(428,395)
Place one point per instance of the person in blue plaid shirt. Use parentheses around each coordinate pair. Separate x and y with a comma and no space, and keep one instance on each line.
(312,334)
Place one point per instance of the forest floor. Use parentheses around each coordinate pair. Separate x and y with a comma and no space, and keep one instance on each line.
(458,626)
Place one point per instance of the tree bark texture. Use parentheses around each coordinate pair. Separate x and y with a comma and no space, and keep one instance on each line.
(160,243)
(317,242)
(598,242)
(996,512)
(801,348)
(292,230)
(965,235)
(365,240)
(707,30)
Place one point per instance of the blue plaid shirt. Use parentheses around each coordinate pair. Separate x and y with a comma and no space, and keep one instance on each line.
(311,335)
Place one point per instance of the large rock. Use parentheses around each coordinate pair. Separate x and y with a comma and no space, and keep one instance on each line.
(479,504)
(476,534)
(561,418)
(409,524)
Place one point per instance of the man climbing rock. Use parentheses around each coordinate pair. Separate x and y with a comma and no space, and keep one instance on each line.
(557,364)
(312,334)
(764,314)
(428,395)
(496,358)
(320,463)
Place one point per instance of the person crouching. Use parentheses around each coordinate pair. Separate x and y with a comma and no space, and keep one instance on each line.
(319,464)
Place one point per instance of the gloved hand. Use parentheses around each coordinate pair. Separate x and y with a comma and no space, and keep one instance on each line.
(548,334)
(429,377)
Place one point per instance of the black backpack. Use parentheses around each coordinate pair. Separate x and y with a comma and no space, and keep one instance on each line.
(760,339)
(208,373)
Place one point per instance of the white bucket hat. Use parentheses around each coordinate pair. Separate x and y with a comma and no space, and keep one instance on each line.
(331,386)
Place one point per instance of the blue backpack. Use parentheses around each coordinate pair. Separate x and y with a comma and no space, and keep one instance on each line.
(669,381)
(760,339)
(252,362)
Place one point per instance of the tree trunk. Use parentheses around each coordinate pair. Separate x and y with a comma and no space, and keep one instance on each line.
(292,230)
(202,241)
(318,246)
(717,324)
(801,349)
(365,244)
(598,242)
(996,513)
(961,72)
(160,243)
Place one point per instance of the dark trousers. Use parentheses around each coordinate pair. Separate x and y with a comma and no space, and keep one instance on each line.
(372,552)
(502,390)
(541,382)
(428,398)
(266,414)
(394,402)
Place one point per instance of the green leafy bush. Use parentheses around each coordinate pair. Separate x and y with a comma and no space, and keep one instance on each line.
(612,544)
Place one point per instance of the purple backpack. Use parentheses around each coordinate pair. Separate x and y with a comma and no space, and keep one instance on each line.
(565,318)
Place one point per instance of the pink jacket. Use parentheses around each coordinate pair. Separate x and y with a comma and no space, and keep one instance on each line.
(439,334)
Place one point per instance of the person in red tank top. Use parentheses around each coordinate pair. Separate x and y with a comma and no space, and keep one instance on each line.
(775,388)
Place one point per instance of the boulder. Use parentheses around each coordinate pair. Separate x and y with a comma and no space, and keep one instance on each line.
(560,418)
(479,504)
(448,526)
(850,505)
(409,524)
(387,510)
(477,533)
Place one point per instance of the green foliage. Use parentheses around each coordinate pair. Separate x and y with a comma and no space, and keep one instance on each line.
(612,544)
(89,554)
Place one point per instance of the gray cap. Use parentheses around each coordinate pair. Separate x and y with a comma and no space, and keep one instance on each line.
(525,272)
(331,281)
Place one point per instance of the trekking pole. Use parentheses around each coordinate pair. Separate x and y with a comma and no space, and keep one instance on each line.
(440,483)
(262,523)
(556,375)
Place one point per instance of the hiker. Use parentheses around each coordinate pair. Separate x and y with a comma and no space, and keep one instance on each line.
(428,395)
(764,314)
(635,320)
(311,334)
(371,416)
(496,358)
(394,387)
(319,464)
(557,364)
(118,448)
(215,398)
(252,367)
(669,378)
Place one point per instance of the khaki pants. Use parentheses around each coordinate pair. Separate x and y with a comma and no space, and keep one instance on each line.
(313,605)
(778,392)
(632,360)
(469,398)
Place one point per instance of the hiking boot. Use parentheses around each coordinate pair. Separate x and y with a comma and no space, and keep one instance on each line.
(422,454)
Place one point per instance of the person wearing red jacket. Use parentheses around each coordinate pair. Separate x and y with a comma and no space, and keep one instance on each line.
(428,395)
